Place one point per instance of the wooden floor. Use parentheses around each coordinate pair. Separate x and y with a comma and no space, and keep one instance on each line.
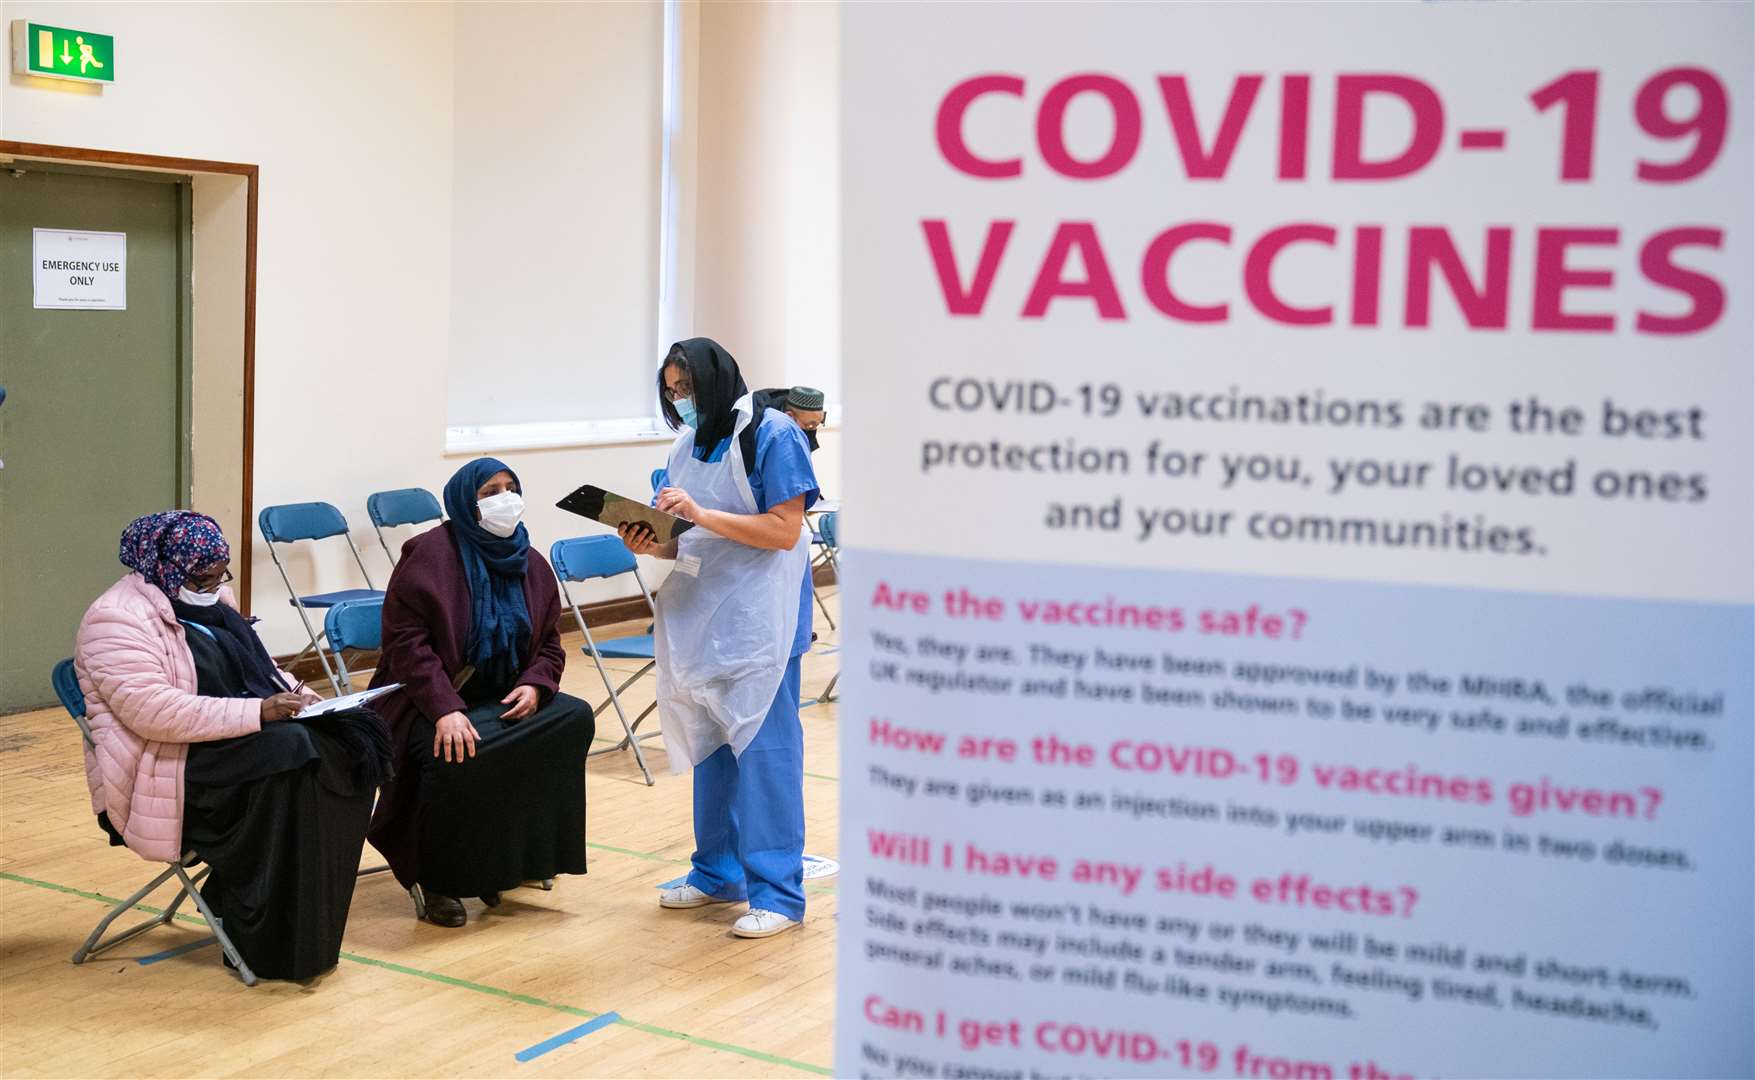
(411,999)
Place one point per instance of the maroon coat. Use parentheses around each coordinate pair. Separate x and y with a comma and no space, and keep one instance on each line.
(427,612)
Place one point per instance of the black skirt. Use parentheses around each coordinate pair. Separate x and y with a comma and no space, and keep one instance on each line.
(514,812)
(281,818)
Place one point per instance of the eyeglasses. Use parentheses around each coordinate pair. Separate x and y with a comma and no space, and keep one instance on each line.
(208,584)
(683,391)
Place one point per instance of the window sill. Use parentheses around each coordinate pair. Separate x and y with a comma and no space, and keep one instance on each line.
(555,435)
(567,434)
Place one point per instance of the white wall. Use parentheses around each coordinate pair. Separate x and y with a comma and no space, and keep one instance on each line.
(360,217)
(220,208)
(768,190)
(812,149)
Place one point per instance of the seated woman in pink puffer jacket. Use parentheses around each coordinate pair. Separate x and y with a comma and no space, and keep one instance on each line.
(199,748)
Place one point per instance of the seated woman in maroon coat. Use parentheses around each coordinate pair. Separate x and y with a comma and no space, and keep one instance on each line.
(489,789)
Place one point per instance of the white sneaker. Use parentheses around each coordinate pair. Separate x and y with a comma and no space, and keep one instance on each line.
(687,896)
(759,923)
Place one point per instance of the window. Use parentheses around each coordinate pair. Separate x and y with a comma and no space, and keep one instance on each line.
(557,212)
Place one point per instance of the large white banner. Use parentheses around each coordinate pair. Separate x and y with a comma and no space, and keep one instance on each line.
(1300,582)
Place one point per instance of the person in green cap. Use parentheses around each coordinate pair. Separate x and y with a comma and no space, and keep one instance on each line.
(803,403)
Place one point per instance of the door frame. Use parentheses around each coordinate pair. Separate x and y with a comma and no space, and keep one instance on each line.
(252,182)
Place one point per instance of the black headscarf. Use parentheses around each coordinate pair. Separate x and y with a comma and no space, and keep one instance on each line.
(718,384)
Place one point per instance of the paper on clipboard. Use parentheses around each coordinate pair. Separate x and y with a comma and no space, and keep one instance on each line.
(345,702)
(614,510)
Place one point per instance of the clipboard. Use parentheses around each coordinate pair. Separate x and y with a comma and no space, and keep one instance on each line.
(346,701)
(608,508)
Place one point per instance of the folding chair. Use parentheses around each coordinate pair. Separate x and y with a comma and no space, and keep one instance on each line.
(404,506)
(292,523)
(826,536)
(829,529)
(353,624)
(819,539)
(583,558)
(66,683)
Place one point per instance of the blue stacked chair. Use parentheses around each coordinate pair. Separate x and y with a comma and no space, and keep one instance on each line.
(313,521)
(584,558)
(66,682)
(404,506)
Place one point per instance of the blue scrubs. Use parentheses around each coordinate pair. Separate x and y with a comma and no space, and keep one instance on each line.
(749,811)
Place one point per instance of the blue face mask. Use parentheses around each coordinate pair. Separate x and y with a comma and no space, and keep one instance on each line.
(685,408)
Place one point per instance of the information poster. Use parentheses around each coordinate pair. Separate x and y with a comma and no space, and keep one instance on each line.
(1299,569)
(72,269)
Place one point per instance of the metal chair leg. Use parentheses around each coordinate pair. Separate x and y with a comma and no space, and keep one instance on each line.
(305,616)
(828,694)
(631,680)
(640,755)
(171,912)
(384,544)
(189,888)
(346,675)
(628,729)
(825,607)
(635,736)
(638,720)
(602,673)
(213,922)
(322,653)
(91,947)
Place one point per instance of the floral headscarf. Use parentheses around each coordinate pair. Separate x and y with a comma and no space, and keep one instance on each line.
(166,548)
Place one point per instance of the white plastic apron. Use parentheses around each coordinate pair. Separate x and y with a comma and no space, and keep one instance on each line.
(726,615)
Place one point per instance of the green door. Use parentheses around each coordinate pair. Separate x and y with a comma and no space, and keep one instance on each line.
(94,427)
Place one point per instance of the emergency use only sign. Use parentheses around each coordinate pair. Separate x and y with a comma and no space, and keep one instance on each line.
(79,270)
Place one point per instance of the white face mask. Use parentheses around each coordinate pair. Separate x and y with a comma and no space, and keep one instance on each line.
(199,599)
(500,513)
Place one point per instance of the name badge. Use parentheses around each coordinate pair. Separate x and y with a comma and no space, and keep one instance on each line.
(688,565)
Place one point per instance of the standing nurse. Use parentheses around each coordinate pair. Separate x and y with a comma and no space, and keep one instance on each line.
(733,620)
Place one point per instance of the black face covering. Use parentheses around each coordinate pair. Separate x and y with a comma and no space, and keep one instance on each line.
(718,385)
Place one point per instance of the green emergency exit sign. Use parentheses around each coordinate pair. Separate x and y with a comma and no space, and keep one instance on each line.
(55,52)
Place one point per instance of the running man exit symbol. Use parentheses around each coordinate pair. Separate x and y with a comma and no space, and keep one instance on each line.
(56,52)
(46,46)
(86,60)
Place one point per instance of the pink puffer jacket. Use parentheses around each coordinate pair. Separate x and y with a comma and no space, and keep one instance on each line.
(140,700)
